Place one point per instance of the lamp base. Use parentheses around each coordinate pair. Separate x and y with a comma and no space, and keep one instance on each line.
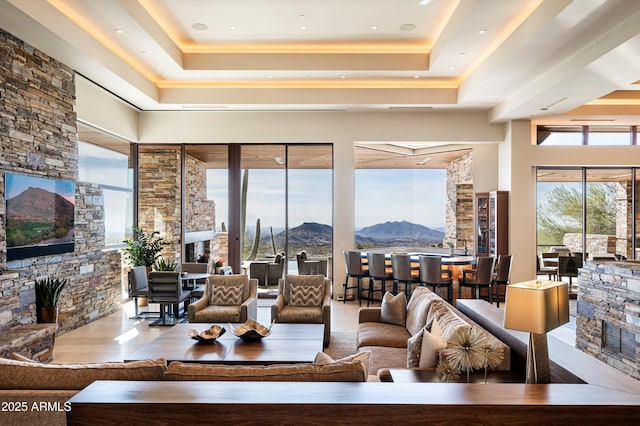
(538,359)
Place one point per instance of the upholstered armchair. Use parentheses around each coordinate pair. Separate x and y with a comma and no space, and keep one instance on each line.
(227,298)
(304,299)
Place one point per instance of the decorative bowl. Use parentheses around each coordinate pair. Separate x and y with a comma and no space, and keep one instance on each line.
(251,330)
(209,335)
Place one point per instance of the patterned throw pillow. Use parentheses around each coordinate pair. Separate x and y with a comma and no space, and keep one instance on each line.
(226,295)
(305,295)
(414,345)
(324,359)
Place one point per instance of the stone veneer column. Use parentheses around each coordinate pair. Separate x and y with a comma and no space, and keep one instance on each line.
(459,209)
(159,208)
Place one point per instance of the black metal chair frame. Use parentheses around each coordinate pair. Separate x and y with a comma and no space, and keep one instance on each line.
(138,287)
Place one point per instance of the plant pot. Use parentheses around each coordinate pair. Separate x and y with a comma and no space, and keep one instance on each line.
(48,314)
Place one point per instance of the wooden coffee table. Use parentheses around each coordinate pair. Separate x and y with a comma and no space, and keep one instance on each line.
(287,344)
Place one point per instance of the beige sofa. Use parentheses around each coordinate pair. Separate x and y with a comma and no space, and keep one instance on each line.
(36,394)
(388,342)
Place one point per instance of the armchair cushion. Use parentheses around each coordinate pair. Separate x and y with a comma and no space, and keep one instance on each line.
(299,281)
(226,295)
(306,294)
(393,309)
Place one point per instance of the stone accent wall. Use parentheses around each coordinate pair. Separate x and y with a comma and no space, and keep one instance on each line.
(609,293)
(596,244)
(38,137)
(459,210)
(159,179)
(200,213)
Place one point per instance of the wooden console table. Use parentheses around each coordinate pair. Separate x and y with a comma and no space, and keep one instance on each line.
(267,403)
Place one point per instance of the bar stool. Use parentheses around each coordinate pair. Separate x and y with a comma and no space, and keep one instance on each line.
(502,276)
(480,277)
(401,267)
(431,275)
(377,271)
(353,263)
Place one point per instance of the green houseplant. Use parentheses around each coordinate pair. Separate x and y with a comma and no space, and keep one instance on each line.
(143,250)
(47,295)
(163,264)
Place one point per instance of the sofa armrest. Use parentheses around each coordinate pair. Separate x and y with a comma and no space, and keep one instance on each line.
(371,314)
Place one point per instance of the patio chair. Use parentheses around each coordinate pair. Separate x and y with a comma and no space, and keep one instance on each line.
(165,288)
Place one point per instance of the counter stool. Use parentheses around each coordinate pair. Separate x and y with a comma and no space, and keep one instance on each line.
(377,271)
(401,267)
(353,263)
(432,275)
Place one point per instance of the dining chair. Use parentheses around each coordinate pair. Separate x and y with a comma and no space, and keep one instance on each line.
(568,267)
(165,288)
(138,288)
(353,264)
(479,278)
(432,275)
(550,271)
(377,272)
(502,276)
(402,273)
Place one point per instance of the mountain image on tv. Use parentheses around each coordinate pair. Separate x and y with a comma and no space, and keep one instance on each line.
(38,216)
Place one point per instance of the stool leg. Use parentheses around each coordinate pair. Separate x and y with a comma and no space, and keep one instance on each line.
(346,284)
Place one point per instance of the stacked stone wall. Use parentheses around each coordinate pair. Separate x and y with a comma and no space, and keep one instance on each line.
(38,137)
(609,292)
(459,208)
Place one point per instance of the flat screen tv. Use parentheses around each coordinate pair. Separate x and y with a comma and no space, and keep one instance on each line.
(39,216)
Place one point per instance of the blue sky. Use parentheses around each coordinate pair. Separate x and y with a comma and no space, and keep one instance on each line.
(416,196)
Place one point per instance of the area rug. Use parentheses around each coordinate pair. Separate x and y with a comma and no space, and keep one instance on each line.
(342,343)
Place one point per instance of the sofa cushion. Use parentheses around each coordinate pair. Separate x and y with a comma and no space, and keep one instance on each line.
(306,295)
(382,357)
(301,314)
(34,375)
(347,371)
(323,359)
(429,349)
(448,320)
(418,307)
(393,309)
(381,334)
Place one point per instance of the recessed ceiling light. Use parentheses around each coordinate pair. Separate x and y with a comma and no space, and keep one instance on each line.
(301,16)
(232,27)
(270,76)
(374,27)
(118,31)
(144,52)
(424,2)
(343,76)
(199,26)
(303,27)
(158,67)
(463,54)
(278,160)
(408,27)
(424,161)
(482,31)
(416,76)
(452,68)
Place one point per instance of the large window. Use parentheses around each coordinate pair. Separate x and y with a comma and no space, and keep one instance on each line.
(414,218)
(586,135)
(111,172)
(588,210)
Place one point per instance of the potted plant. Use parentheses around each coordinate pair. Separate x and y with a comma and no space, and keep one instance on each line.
(47,295)
(143,250)
(163,264)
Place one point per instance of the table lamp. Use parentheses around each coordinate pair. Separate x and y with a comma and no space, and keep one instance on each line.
(537,306)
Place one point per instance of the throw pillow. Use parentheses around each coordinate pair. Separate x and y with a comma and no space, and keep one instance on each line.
(430,346)
(394,308)
(414,345)
(324,359)
(227,295)
(306,295)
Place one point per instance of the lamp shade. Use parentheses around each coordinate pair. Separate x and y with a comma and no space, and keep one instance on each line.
(536,306)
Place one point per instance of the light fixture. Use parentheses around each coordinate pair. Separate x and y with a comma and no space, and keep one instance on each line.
(551,105)
(482,31)
(303,27)
(374,27)
(199,26)
(118,31)
(408,27)
(279,161)
(424,2)
(424,161)
(537,307)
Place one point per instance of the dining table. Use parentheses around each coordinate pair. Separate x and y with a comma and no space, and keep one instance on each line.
(190,279)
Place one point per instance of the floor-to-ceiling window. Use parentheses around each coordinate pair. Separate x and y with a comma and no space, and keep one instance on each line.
(284,200)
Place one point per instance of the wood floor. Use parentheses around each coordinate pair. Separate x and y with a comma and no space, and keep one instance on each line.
(115,336)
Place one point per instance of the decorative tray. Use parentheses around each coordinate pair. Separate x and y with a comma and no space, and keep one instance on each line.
(209,335)
(251,330)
